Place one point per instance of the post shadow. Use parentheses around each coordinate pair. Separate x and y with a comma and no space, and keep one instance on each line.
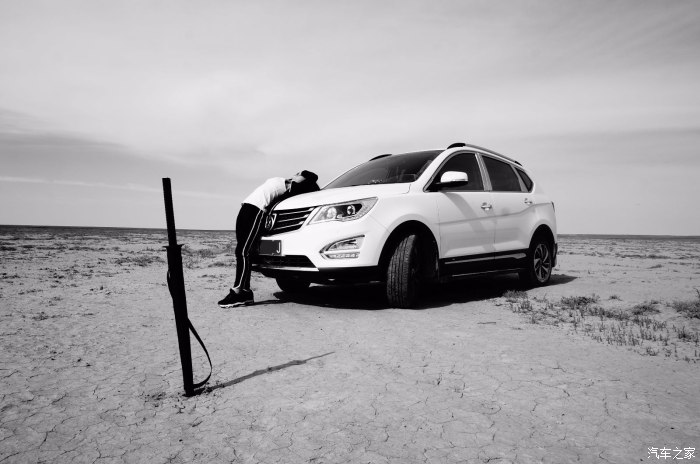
(296,362)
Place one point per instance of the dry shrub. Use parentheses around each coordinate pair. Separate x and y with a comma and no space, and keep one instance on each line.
(578,302)
(512,296)
(642,309)
(689,308)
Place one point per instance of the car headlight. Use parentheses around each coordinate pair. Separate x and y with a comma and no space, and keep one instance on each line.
(347,211)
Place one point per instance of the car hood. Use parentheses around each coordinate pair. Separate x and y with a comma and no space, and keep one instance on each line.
(339,195)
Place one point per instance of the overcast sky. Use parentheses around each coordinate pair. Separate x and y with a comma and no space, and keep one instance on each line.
(101,99)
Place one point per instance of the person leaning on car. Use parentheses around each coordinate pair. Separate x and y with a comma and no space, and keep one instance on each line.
(248,227)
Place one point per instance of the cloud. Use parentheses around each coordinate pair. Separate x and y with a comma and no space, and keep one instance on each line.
(24,180)
(205,87)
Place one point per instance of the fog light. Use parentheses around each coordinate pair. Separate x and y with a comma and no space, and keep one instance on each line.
(341,255)
(342,248)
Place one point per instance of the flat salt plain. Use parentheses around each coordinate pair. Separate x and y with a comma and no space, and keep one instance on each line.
(596,367)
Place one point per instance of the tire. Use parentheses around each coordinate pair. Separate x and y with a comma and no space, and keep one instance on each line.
(539,263)
(292,284)
(403,275)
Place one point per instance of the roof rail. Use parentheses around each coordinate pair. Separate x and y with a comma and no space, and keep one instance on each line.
(381,156)
(488,151)
(497,154)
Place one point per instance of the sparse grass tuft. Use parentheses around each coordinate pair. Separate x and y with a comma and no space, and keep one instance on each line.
(648,307)
(513,296)
(689,308)
(140,260)
(218,264)
(649,323)
(684,334)
(579,302)
(526,305)
(631,327)
(193,258)
(602,313)
(206,253)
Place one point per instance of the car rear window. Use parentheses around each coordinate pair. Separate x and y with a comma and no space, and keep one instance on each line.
(526,179)
(503,178)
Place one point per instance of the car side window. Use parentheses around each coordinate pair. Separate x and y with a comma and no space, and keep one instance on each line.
(464,162)
(503,178)
(526,179)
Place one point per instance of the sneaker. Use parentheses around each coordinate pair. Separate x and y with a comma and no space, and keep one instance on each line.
(240,298)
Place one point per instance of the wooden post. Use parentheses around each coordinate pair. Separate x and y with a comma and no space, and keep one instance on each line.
(176,284)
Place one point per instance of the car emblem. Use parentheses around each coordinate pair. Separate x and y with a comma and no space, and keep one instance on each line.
(270,221)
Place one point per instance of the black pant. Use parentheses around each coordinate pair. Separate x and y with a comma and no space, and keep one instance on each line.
(248,225)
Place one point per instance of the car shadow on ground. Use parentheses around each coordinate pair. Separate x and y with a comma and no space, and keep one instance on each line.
(372,296)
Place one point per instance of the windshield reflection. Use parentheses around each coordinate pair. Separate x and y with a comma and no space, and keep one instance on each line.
(394,169)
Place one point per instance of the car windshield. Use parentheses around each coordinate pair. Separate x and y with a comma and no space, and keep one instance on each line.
(394,169)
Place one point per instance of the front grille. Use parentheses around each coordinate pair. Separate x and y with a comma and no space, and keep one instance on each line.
(283,261)
(287,220)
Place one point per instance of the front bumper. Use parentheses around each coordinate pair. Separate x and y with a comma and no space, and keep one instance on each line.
(300,252)
(325,275)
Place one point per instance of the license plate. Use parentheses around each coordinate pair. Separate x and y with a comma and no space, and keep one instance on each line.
(270,247)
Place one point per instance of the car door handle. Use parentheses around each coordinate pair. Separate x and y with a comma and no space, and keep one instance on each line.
(486,206)
(528,201)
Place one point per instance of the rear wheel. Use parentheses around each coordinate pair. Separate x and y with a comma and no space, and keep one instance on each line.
(292,284)
(539,263)
(403,275)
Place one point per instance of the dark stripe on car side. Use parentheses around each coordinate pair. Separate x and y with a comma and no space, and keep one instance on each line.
(483,263)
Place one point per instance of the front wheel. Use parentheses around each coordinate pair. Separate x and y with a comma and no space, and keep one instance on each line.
(292,284)
(403,273)
(539,263)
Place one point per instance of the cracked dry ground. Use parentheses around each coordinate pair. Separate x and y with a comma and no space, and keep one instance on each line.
(90,368)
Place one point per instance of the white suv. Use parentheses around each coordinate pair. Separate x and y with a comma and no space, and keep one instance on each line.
(414,219)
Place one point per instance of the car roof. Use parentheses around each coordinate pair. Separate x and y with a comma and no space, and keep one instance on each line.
(456,147)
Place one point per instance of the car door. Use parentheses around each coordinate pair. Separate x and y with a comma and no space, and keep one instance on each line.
(465,218)
(511,207)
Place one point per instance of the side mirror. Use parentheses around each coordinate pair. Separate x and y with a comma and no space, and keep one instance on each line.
(451,179)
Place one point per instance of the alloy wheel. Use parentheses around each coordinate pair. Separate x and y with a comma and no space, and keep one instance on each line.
(542,262)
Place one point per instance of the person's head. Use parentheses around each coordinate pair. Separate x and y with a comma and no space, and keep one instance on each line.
(303,182)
